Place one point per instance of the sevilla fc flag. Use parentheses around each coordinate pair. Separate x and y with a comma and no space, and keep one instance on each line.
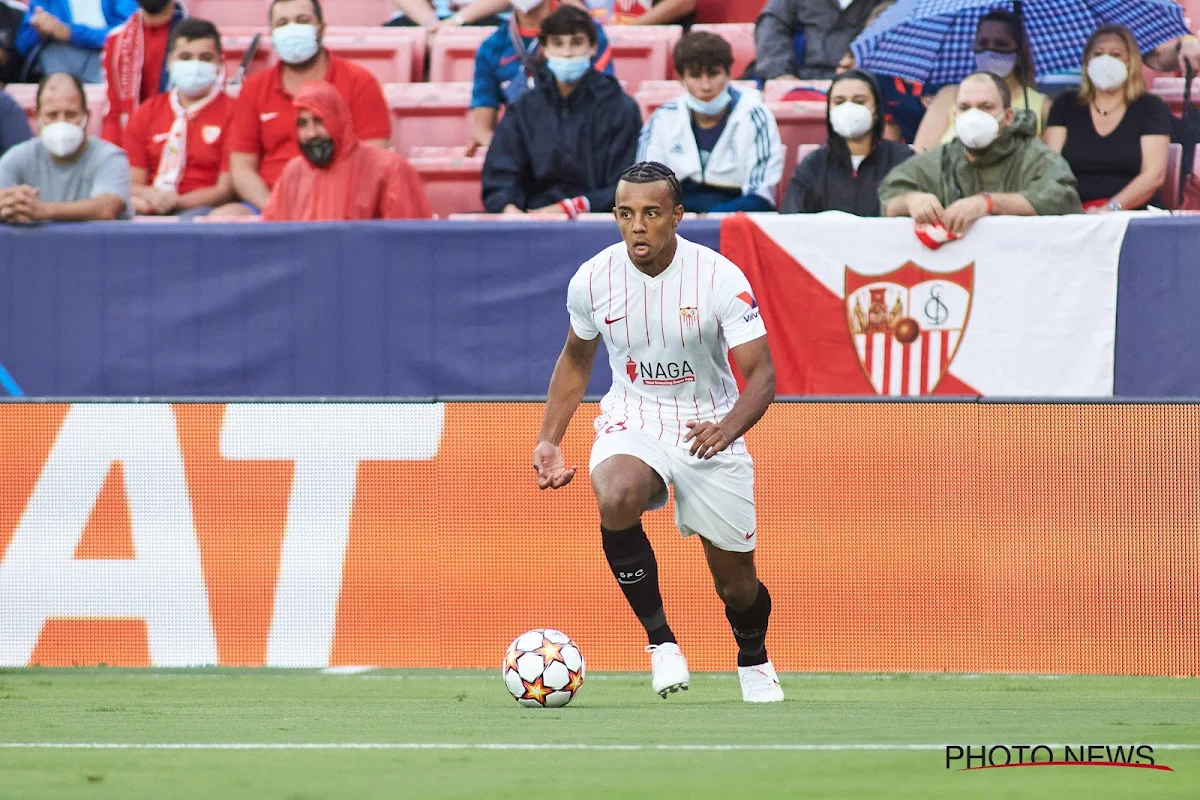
(1020,307)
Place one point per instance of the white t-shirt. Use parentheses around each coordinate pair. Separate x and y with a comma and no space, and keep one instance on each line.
(668,337)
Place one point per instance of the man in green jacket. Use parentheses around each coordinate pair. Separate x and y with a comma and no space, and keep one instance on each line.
(995,166)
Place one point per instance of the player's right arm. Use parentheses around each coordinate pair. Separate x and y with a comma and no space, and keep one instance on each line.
(567,386)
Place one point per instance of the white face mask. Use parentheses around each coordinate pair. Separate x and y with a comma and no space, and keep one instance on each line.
(976,129)
(525,6)
(295,43)
(851,120)
(193,77)
(1107,72)
(62,139)
(1001,64)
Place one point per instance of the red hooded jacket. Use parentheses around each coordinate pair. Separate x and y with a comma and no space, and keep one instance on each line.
(362,181)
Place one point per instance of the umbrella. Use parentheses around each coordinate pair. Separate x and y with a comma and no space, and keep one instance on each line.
(933,41)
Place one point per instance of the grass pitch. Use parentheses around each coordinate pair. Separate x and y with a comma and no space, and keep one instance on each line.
(626,741)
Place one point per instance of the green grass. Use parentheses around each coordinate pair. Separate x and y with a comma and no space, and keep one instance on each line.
(262,706)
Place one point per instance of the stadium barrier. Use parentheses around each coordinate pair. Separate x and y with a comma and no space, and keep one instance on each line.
(928,537)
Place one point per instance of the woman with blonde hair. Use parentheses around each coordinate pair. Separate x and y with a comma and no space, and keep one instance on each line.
(1112,131)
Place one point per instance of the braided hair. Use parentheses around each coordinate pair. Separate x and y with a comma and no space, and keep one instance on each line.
(653,172)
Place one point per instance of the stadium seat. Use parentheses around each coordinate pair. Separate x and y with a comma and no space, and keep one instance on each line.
(452,53)
(428,114)
(801,151)
(1171,90)
(97,100)
(740,37)
(393,55)
(254,12)
(642,53)
(799,123)
(1170,187)
(453,180)
(711,11)
(776,89)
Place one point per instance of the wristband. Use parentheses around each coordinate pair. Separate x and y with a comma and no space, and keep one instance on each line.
(991,203)
(574,206)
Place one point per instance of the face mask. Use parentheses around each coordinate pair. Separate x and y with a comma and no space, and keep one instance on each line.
(851,120)
(295,43)
(1107,72)
(709,108)
(153,6)
(319,152)
(62,138)
(977,129)
(525,6)
(568,70)
(1001,64)
(193,77)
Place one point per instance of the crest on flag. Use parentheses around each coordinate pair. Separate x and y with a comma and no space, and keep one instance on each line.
(907,325)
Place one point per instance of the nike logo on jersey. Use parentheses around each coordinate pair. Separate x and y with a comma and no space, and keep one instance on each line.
(608,321)
(750,535)
(268,116)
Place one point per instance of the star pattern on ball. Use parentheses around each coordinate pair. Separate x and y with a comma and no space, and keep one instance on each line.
(535,691)
(575,683)
(510,658)
(550,652)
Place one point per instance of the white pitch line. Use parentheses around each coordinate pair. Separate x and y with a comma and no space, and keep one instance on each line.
(883,747)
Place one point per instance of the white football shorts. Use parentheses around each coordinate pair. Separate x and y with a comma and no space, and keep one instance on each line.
(714,498)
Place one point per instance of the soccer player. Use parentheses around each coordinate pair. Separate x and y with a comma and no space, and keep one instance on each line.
(669,312)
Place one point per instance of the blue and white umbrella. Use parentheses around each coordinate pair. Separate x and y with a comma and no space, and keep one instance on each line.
(933,41)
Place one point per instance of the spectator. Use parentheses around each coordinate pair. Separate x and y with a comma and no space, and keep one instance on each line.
(506,63)
(1113,133)
(562,147)
(722,143)
(14,124)
(903,107)
(995,166)
(176,140)
(1177,54)
(336,177)
(262,136)
(135,61)
(807,38)
(11,65)
(435,14)
(643,12)
(1002,49)
(64,175)
(844,174)
(68,35)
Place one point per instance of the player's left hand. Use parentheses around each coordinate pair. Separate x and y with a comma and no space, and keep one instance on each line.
(707,438)
(552,471)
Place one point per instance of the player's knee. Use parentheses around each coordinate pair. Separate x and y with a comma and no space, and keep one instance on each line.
(620,504)
(738,592)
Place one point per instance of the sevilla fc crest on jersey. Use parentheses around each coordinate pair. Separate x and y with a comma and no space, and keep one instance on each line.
(907,325)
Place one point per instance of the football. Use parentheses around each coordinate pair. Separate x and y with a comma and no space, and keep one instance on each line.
(543,669)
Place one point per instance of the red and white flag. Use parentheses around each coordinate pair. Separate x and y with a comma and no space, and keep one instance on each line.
(1020,307)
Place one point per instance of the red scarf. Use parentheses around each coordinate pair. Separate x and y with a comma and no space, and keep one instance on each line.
(124,58)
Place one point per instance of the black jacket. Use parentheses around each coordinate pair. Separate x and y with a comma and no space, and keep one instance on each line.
(825,181)
(548,149)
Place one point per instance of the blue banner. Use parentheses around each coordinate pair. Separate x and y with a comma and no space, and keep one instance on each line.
(412,309)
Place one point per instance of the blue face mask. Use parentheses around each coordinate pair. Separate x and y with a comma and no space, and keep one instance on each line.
(709,108)
(568,70)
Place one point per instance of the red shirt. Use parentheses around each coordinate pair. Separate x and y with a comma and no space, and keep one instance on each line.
(146,133)
(264,120)
(156,38)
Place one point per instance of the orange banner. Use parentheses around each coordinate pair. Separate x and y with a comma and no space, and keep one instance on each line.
(894,537)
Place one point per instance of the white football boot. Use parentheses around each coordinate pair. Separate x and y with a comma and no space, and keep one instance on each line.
(760,684)
(668,667)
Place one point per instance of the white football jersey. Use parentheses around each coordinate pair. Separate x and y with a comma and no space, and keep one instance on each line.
(668,337)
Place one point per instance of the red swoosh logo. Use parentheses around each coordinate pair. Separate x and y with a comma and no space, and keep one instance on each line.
(608,321)
(508,60)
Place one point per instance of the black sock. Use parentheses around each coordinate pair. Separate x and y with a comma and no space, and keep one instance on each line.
(631,560)
(750,629)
